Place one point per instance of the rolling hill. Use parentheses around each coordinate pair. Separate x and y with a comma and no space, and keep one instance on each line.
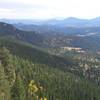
(26,80)
(29,72)
(45,37)
(10,30)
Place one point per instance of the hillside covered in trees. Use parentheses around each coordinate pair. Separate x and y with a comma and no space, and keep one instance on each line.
(31,69)
(21,79)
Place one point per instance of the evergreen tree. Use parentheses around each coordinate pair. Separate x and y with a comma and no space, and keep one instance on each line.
(5,93)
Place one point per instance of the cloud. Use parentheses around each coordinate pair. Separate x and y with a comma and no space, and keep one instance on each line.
(19,6)
(49,8)
(5,13)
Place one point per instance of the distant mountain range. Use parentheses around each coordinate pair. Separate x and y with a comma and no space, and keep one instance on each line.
(44,36)
(71,22)
(29,71)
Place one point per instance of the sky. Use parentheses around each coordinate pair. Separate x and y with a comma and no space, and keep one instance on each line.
(46,9)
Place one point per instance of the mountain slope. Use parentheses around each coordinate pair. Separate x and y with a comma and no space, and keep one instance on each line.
(46,37)
(30,73)
(10,30)
(33,81)
(33,53)
(81,67)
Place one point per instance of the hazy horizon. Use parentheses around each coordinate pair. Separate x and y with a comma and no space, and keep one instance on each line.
(49,9)
(63,18)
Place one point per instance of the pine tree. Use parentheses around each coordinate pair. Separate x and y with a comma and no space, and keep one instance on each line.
(5,93)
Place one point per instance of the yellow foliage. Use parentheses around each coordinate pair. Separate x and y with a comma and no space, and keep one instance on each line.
(32,82)
(45,98)
(32,87)
(41,98)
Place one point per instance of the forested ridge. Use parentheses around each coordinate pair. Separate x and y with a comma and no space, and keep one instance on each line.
(21,79)
(30,70)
